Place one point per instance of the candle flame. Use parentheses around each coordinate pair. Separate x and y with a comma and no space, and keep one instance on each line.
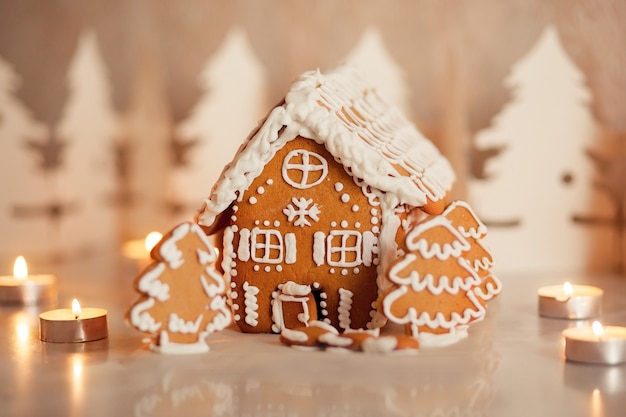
(152,239)
(597,329)
(568,290)
(76,310)
(20,269)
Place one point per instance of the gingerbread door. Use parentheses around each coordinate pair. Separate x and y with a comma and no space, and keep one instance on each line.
(293,306)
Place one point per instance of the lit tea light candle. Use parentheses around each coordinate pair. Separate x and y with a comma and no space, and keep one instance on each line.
(596,344)
(22,288)
(569,301)
(73,325)
(139,249)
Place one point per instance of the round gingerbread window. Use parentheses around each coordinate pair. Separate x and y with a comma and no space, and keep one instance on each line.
(304,169)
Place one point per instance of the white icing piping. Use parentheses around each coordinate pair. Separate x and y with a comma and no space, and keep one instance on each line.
(477,230)
(150,284)
(319,248)
(223,318)
(291,249)
(444,339)
(294,335)
(277,314)
(384,344)
(455,247)
(425,319)
(345,305)
(251,303)
(483,263)
(169,247)
(388,246)
(335,340)
(141,319)
(264,246)
(177,324)
(301,212)
(291,288)
(167,347)
(370,248)
(489,288)
(426,281)
(305,167)
(229,254)
(289,292)
(323,325)
(218,287)
(243,251)
(342,248)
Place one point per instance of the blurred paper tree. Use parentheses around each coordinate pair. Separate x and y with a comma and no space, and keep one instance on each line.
(610,167)
(594,35)
(291,37)
(47,41)
(455,66)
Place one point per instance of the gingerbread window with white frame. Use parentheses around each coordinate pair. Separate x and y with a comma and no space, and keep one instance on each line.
(304,169)
(344,248)
(267,246)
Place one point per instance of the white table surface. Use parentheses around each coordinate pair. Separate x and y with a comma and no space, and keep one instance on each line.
(511,365)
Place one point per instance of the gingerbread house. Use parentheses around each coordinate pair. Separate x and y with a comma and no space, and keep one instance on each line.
(316,204)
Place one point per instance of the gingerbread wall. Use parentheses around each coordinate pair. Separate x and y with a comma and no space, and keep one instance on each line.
(116,117)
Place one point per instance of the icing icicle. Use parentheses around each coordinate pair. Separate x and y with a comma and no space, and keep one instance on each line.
(345,305)
(252,307)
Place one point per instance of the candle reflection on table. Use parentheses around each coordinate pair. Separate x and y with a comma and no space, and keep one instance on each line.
(22,331)
(76,369)
(596,404)
(20,325)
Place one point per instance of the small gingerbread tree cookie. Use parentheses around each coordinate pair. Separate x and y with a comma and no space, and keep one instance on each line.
(183,297)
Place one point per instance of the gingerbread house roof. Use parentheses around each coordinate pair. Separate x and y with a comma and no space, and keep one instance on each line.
(370,137)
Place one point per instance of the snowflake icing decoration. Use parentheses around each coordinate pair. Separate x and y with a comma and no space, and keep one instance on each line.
(302,210)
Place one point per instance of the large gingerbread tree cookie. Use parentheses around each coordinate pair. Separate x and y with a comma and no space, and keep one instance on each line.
(183,298)
(433,292)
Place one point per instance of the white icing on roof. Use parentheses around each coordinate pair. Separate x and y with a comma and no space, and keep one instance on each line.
(363,132)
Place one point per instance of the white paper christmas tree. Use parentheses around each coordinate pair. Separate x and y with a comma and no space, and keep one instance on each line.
(375,62)
(543,176)
(90,126)
(22,182)
(232,104)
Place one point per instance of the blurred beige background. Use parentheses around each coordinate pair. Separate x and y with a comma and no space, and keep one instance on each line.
(116,117)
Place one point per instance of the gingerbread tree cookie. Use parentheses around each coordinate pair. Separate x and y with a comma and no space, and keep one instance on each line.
(183,297)
(433,285)
(463,218)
